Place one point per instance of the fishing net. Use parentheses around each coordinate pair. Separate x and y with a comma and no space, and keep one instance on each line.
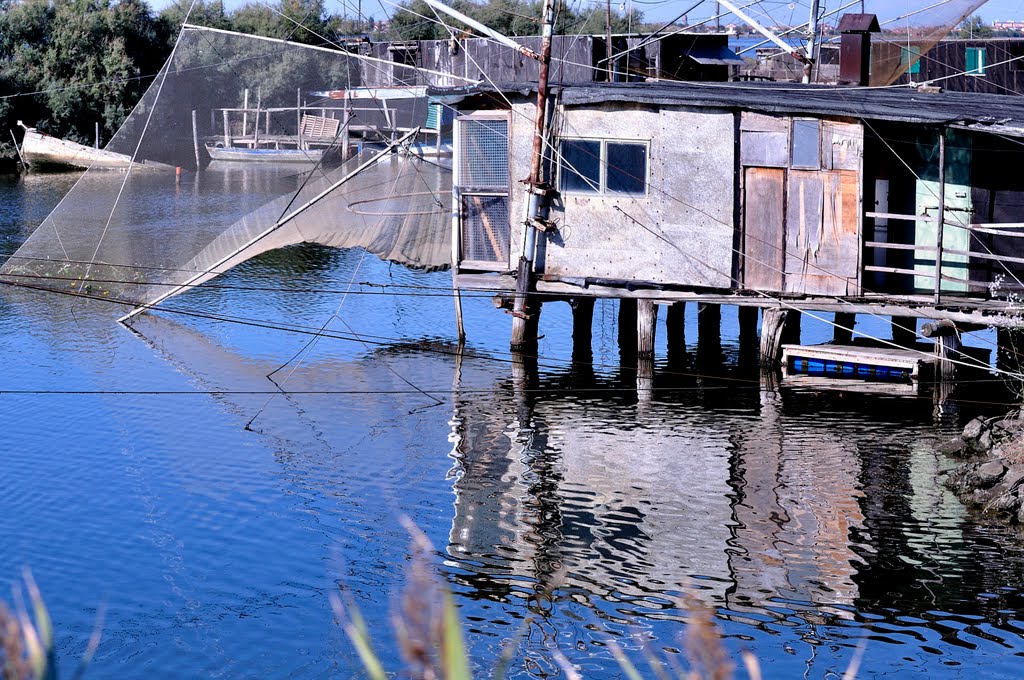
(243,144)
(909,30)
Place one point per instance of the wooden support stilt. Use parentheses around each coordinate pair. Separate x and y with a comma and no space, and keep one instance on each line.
(675,327)
(627,328)
(791,329)
(582,329)
(709,334)
(842,332)
(644,380)
(773,322)
(904,330)
(525,325)
(195,141)
(646,323)
(747,320)
(947,349)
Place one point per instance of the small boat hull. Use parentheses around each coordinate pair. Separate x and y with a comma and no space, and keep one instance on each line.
(244,154)
(45,153)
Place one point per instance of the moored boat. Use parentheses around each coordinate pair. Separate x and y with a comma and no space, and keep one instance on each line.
(45,153)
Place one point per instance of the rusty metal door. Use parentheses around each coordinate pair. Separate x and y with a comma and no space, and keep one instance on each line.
(764,233)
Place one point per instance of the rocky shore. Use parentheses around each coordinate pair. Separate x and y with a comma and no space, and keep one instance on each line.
(991,478)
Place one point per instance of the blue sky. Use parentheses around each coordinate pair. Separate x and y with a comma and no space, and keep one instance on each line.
(655,10)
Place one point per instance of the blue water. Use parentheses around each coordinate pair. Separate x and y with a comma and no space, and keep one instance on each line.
(810,520)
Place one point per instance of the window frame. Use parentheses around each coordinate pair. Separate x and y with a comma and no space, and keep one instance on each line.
(911,55)
(980,69)
(602,187)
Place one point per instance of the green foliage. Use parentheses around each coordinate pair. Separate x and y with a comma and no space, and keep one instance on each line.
(974,27)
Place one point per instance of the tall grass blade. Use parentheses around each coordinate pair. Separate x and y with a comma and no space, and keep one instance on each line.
(628,669)
(355,628)
(454,659)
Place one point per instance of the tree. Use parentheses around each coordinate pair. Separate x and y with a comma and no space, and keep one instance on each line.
(974,27)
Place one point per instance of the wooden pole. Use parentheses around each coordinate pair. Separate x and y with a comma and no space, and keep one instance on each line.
(675,330)
(709,333)
(627,329)
(842,331)
(773,321)
(195,140)
(747,320)
(904,330)
(608,37)
(245,112)
(298,116)
(941,219)
(646,323)
(582,328)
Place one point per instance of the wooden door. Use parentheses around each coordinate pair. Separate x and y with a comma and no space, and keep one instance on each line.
(764,233)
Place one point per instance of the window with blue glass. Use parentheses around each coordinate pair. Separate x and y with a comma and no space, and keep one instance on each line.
(912,56)
(976,61)
(603,166)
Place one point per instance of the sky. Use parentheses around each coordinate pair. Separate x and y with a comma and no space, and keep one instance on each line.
(783,11)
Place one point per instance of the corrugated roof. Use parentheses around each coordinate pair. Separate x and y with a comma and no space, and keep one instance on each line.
(996,113)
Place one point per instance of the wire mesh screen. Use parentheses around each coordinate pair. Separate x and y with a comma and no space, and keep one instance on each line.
(485,228)
(216,166)
(483,152)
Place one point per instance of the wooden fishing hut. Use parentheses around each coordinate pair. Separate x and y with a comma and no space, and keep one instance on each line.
(779,197)
(576,59)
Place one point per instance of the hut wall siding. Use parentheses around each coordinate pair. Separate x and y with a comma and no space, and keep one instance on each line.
(690,200)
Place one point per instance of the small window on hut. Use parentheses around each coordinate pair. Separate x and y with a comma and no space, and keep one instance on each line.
(911,55)
(627,168)
(580,166)
(806,150)
(603,166)
(976,61)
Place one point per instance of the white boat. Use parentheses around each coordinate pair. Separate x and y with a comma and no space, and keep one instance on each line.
(219,152)
(43,152)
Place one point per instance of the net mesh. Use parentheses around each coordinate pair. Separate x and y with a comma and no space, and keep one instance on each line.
(909,30)
(209,182)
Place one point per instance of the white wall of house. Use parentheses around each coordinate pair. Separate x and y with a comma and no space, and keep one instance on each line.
(687,213)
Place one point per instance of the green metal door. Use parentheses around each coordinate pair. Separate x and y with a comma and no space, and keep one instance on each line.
(957,217)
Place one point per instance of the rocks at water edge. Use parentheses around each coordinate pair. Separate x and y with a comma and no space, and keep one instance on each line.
(992,479)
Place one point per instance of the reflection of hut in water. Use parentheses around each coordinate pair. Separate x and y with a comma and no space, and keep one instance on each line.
(569,483)
(794,512)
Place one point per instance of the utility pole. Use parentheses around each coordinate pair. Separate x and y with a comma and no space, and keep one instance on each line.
(718,17)
(539,190)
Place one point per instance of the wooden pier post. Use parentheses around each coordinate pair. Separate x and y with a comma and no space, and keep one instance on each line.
(747,320)
(646,323)
(709,334)
(582,329)
(627,328)
(195,141)
(675,330)
(773,324)
(904,330)
(524,333)
(947,349)
(842,330)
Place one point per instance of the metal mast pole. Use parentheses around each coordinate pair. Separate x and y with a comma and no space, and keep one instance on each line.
(812,42)
(538,188)
(608,38)
(718,17)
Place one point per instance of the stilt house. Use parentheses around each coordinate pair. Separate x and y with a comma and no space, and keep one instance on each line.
(745,193)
